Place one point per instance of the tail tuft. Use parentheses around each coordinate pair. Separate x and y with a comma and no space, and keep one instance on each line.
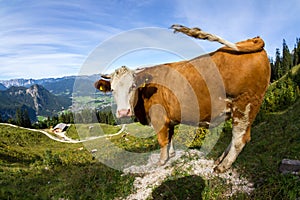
(199,34)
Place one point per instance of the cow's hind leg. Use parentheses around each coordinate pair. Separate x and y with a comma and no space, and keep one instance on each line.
(240,135)
(171,143)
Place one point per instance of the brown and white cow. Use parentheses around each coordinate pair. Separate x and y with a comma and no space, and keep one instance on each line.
(187,92)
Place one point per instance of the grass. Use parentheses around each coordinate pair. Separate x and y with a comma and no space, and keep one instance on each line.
(35,167)
(83,131)
(272,140)
(93,101)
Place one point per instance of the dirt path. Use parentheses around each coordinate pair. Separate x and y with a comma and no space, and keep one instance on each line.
(191,162)
(64,138)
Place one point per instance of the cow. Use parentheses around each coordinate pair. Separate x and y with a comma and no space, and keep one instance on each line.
(229,82)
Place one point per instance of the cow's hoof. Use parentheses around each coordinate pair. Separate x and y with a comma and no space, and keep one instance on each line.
(217,162)
(172,154)
(219,169)
(161,162)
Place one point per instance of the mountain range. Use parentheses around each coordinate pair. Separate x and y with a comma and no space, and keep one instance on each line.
(2,87)
(44,97)
(58,86)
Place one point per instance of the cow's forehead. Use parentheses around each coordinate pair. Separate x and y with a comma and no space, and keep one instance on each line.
(122,74)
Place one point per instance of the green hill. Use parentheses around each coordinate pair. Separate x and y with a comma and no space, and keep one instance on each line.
(32,166)
(36,99)
(276,138)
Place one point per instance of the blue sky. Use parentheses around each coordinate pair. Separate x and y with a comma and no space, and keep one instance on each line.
(40,39)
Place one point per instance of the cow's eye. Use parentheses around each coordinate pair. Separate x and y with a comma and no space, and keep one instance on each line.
(132,87)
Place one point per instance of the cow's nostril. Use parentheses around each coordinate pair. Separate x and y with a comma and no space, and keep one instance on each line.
(124,113)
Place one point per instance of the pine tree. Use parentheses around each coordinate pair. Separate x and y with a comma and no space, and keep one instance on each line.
(295,56)
(297,52)
(22,118)
(26,119)
(273,75)
(286,64)
(277,66)
(62,118)
(19,117)
(55,120)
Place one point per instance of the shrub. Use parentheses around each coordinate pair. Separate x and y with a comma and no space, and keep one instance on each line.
(280,95)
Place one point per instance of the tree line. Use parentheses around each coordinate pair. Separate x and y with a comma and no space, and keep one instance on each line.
(284,90)
(84,116)
(21,118)
(285,60)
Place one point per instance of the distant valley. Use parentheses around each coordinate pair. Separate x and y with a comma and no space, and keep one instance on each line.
(44,97)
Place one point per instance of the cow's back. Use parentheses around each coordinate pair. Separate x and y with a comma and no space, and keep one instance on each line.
(241,71)
(195,90)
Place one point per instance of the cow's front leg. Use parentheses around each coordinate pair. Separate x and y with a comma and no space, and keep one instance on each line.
(161,124)
(163,141)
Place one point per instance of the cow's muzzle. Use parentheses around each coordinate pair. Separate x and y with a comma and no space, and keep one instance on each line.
(124,113)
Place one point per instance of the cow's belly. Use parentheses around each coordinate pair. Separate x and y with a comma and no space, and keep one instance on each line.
(185,110)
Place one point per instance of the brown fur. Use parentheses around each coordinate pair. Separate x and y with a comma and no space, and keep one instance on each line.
(245,73)
(187,92)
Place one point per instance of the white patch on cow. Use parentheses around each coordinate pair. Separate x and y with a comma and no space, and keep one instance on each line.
(172,152)
(123,88)
(237,144)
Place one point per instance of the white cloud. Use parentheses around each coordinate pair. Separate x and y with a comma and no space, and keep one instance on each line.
(130,48)
(238,20)
(59,35)
(33,40)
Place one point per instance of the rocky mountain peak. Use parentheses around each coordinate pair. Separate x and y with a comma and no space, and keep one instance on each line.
(35,98)
(33,91)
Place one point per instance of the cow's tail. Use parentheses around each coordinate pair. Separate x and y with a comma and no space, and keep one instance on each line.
(247,46)
(199,34)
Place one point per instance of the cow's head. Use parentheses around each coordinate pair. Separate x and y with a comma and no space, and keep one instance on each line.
(123,83)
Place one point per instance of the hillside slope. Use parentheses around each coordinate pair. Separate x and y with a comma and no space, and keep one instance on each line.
(32,166)
(272,140)
(36,99)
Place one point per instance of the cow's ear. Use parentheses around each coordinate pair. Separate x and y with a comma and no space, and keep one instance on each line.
(103,85)
(107,77)
(142,79)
